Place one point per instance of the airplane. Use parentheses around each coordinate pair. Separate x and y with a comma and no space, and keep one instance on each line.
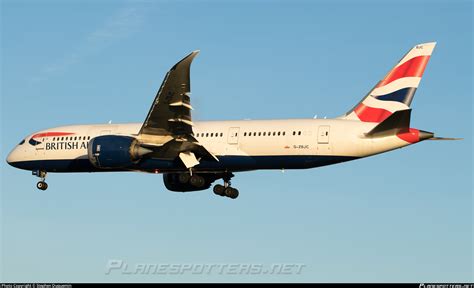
(193,155)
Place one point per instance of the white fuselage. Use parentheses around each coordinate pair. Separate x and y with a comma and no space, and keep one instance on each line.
(282,144)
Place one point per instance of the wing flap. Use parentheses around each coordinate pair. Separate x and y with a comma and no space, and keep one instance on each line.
(189,159)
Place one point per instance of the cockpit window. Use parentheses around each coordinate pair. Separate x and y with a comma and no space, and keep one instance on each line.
(21,142)
(34,142)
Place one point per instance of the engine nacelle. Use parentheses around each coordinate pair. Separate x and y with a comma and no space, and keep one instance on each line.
(114,151)
(173,183)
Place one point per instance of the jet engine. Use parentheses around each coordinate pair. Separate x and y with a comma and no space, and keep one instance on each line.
(115,151)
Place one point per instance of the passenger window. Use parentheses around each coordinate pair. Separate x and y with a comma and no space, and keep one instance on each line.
(62,138)
(299,132)
(207,134)
(278,133)
(259,133)
(283,133)
(245,133)
(212,134)
(264,133)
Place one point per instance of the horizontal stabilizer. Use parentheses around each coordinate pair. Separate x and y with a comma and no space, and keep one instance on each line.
(398,122)
(444,138)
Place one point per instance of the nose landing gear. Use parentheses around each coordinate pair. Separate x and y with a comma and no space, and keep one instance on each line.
(41,185)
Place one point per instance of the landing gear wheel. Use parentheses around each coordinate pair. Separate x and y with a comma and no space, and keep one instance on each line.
(219,190)
(184,178)
(197,181)
(231,192)
(41,185)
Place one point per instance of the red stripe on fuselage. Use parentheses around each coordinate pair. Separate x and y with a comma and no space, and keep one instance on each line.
(412,68)
(51,134)
(370,114)
(411,136)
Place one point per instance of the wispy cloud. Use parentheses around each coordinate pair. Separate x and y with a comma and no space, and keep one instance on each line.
(125,22)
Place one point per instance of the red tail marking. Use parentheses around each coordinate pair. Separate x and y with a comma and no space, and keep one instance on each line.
(411,136)
(412,68)
(370,114)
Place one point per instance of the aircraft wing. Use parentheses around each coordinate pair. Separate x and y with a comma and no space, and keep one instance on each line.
(168,127)
(170,113)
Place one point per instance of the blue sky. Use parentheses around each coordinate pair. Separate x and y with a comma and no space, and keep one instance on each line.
(403,216)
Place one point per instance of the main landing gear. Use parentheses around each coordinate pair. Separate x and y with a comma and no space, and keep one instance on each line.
(41,185)
(226,190)
(203,181)
(195,180)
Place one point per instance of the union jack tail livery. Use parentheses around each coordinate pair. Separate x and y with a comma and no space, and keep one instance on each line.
(396,90)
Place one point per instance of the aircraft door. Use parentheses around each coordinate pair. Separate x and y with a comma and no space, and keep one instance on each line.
(233,136)
(323,134)
(324,146)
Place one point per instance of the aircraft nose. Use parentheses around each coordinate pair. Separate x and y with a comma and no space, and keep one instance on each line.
(12,157)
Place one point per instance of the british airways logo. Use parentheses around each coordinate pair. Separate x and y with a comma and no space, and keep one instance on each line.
(66,145)
(57,142)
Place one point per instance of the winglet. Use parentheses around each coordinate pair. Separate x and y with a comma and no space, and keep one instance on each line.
(186,60)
